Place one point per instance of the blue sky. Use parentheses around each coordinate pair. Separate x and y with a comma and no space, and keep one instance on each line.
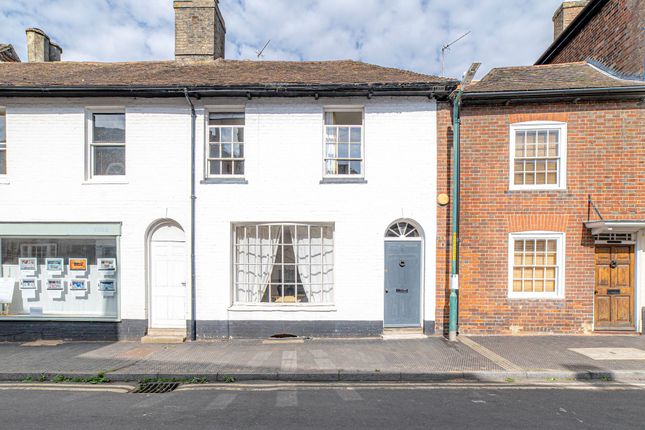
(399,33)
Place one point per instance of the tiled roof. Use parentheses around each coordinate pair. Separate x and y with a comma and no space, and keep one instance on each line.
(567,76)
(8,54)
(217,73)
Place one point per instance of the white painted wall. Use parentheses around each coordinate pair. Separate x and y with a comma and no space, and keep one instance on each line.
(46,165)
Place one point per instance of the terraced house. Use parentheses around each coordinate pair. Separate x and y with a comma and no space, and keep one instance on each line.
(552,223)
(213,198)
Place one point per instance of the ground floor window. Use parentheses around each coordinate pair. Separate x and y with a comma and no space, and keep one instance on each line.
(536,265)
(284,263)
(49,276)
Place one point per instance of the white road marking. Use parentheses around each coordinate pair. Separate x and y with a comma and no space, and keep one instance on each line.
(318,353)
(324,363)
(286,399)
(289,361)
(67,387)
(478,401)
(349,395)
(221,401)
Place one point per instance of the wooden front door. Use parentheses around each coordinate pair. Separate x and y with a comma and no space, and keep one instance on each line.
(614,293)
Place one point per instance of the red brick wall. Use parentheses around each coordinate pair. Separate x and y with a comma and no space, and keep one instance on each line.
(614,37)
(444,163)
(606,158)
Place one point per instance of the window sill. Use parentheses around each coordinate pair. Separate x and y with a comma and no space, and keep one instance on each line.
(102,181)
(224,181)
(343,181)
(516,189)
(54,317)
(282,308)
(535,297)
(4,180)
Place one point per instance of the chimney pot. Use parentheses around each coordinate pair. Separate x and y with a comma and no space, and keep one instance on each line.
(40,48)
(565,14)
(200,32)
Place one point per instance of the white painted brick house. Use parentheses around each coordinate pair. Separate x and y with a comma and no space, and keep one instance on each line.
(314,197)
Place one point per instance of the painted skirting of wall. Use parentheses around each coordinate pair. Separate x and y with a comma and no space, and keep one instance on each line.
(24,331)
(265,329)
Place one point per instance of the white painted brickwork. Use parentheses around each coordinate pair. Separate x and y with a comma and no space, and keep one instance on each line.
(46,171)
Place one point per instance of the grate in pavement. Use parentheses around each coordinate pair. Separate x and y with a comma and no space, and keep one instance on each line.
(156,387)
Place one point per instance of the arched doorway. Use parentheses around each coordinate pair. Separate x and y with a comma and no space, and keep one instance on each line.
(167,276)
(403,274)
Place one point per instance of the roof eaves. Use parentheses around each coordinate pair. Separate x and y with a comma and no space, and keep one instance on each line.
(634,91)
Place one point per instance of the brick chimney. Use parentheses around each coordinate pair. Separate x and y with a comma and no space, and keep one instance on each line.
(200,32)
(40,48)
(566,13)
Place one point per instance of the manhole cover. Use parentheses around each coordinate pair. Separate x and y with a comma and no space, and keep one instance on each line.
(156,387)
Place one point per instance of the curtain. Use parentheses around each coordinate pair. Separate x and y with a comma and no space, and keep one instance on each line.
(269,238)
(302,248)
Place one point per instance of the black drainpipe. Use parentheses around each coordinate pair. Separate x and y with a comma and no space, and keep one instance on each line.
(193,197)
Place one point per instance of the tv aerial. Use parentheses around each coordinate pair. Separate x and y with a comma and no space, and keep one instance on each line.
(446,48)
(261,51)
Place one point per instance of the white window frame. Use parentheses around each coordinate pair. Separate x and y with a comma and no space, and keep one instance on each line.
(560,261)
(3,144)
(89,153)
(539,125)
(236,304)
(343,108)
(222,109)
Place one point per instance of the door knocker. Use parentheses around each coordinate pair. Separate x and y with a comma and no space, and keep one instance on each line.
(401,263)
(613,264)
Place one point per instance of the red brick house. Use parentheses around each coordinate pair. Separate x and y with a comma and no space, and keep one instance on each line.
(552,185)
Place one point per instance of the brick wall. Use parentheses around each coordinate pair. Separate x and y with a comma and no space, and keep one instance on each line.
(606,158)
(614,37)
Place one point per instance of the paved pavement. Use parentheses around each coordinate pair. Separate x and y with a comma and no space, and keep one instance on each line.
(330,406)
(474,358)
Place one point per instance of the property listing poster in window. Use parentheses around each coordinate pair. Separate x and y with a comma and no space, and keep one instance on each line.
(59,276)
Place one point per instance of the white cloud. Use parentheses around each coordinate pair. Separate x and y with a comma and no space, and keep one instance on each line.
(399,33)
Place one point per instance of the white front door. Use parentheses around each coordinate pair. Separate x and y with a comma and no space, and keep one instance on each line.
(168,279)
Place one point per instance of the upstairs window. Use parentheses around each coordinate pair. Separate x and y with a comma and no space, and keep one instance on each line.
(344,143)
(3,142)
(107,146)
(538,156)
(225,152)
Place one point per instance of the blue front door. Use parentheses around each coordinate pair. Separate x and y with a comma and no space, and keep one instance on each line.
(402,284)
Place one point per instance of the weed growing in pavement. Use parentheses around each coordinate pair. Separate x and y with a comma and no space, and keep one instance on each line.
(193,380)
(605,378)
(99,378)
(509,380)
(28,379)
(42,378)
(229,379)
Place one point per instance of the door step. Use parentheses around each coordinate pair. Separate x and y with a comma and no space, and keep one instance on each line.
(398,333)
(164,335)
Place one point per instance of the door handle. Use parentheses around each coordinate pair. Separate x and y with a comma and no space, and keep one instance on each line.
(387,291)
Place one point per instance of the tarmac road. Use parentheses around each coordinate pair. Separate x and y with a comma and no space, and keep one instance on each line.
(329,406)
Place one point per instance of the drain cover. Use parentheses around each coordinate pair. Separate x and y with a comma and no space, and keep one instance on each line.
(156,387)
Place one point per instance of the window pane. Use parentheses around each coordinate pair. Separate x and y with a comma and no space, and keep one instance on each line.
(226,134)
(239,167)
(227,167)
(214,167)
(238,150)
(3,162)
(227,150)
(226,118)
(343,167)
(109,160)
(3,127)
(355,150)
(213,134)
(355,135)
(238,135)
(343,134)
(355,167)
(109,128)
(214,151)
(330,134)
(344,118)
(343,150)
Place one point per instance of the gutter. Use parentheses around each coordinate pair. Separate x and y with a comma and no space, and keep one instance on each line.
(277,90)
(193,197)
(632,91)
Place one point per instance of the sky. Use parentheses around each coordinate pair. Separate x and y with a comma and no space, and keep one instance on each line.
(407,34)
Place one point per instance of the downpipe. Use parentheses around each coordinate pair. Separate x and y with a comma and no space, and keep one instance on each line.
(193,197)
(454,255)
